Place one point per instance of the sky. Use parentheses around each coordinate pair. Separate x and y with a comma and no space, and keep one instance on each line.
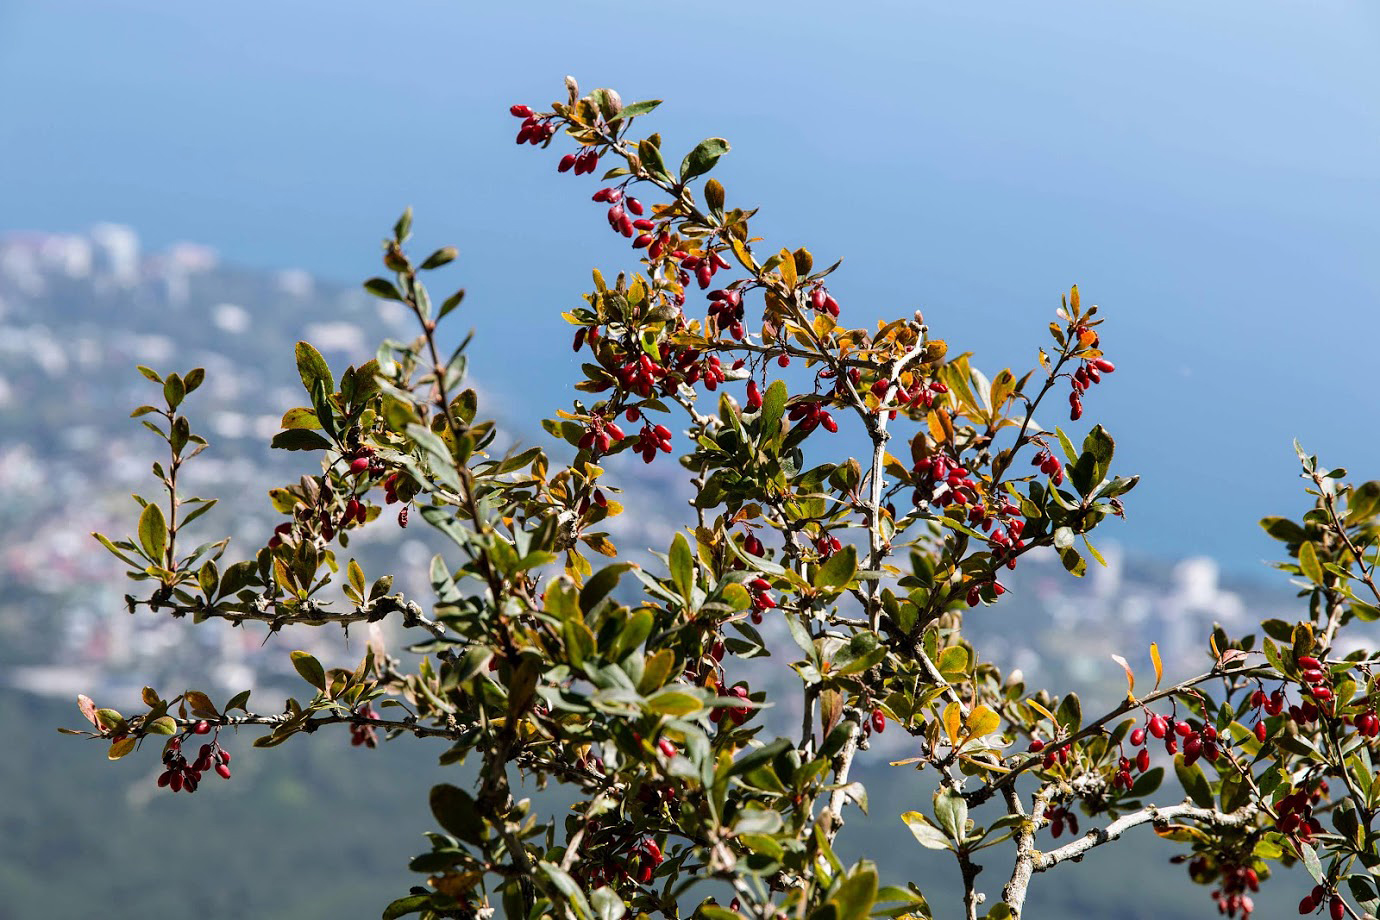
(1207,173)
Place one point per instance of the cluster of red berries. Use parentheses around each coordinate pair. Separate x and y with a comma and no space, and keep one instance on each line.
(726,312)
(704,267)
(362,733)
(640,864)
(390,496)
(1230,894)
(584,162)
(1336,908)
(534,130)
(625,215)
(1058,816)
(752,546)
(735,714)
(989,588)
(601,435)
(1196,742)
(754,397)
(760,589)
(942,482)
(180,775)
(918,397)
(1316,678)
(1367,724)
(1061,756)
(1050,466)
(822,302)
(1126,767)
(1088,373)
(642,375)
(812,414)
(652,438)
(827,545)
(1295,812)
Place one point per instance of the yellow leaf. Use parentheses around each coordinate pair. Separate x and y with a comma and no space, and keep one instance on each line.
(982,721)
(941,429)
(788,274)
(953,721)
(1042,711)
(1073,297)
(1130,676)
(1159,665)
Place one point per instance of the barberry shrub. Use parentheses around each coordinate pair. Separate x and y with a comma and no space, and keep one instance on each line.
(544,658)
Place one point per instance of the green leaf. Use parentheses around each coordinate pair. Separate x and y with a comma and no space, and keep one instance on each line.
(838,571)
(951,810)
(411,904)
(313,368)
(301,417)
(403,228)
(1311,862)
(299,439)
(856,895)
(153,533)
(1070,713)
(1282,528)
(1075,564)
(926,833)
(650,156)
(1194,781)
(645,107)
(863,651)
(174,391)
(671,702)
(1308,561)
(1101,446)
(773,406)
(442,256)
(455,810)
(682,567)
(163,725)
(702,159)
(310,669)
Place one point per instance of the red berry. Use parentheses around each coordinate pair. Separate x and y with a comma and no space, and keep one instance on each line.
(1335,908)
(520,111)
(359,465)
(784,360)
(222,771)
(567,162)
(1138,736)
(202,728)
(1260,731)
(878,721)
(1158,726)
(754,396)
(1103,365)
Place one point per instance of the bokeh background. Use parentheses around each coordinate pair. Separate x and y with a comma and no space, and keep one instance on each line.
(1205,172)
